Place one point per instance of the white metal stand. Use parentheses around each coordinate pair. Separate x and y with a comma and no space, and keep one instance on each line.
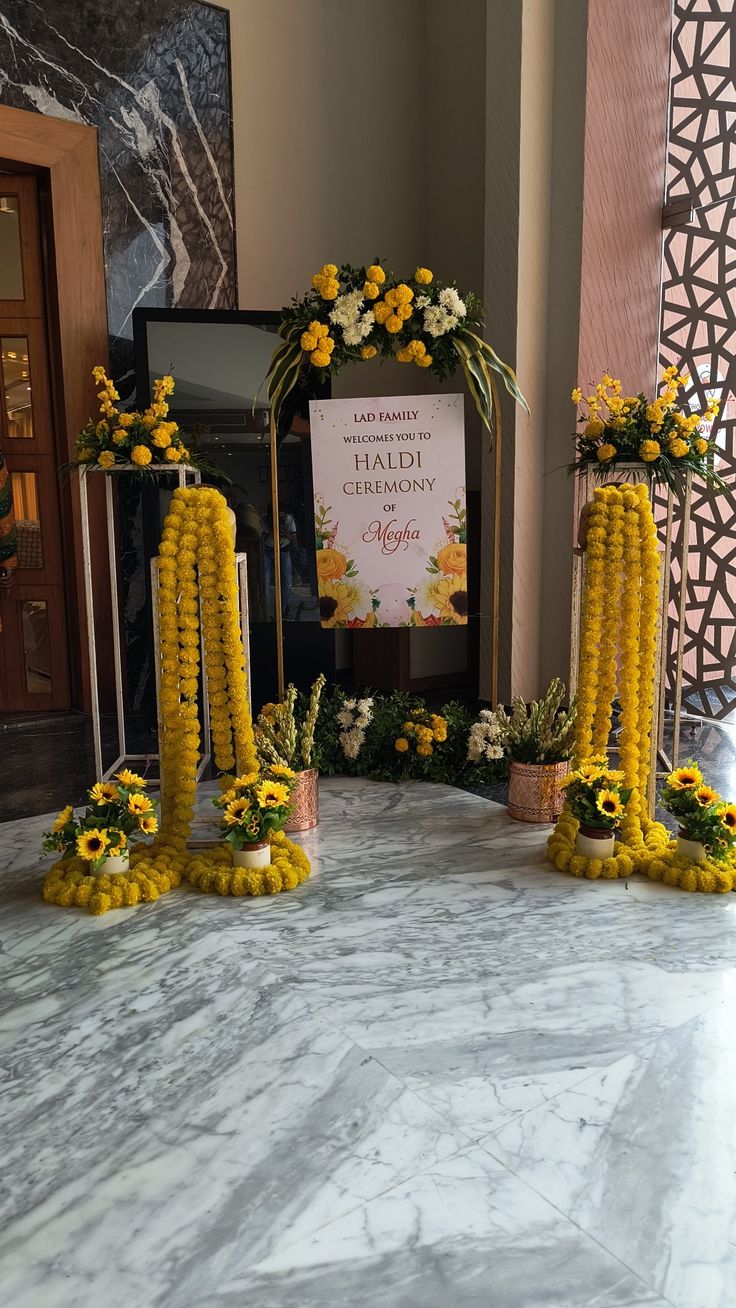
(181,472)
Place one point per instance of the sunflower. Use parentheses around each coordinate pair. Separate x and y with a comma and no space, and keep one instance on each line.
(272,794)
(685,778)
(148,823)
(337,599)
(64,817)
(449,595)
(609,804)
(130,779)
(103,792)
(589,772)
(281,770)
(247,779)
(706,795)
(91,845)
(139,804)
(727,814)
(236,811)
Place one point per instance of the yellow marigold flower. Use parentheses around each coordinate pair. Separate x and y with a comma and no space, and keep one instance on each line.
(677,447)
(701,446)
(308,341)
(404,294)
(404,355)
(161,437)
(103,792)
(727,814)
(320,358)
(393,324)
(139,804)
(368,352)
(64,816)
(649,451)
(594,428)
(120,435)
(606,452)
(329,269)
(375,274)
(327,344)
(424,751)
(141,455)
(148,824)
(685,778)
(318,329)
(329,288)
(172,454)
(401,744)
(272,794)
(404,312)
(706,795)
(391,297)
(609,804)
(370,290)
(126,420)
(86,455)
(577,395)
(425,361)
(130,779)
(92,844)
(423,276)
(381,311)
(106,458)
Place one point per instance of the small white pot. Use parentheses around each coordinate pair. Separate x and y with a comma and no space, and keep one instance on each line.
(691,850)
(253,855)
(602,846)
(115,865)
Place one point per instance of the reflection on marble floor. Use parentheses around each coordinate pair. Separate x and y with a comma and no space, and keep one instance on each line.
(439,1073)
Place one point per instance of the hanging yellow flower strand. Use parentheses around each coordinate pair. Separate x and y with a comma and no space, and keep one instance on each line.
(618,636)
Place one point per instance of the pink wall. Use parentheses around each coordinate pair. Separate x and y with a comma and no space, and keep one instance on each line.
(625,145)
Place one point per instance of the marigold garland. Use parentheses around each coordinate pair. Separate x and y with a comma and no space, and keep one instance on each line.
(196,577)
(618,647)
(708,877)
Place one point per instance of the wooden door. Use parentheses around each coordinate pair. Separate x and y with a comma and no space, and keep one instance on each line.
(34,671)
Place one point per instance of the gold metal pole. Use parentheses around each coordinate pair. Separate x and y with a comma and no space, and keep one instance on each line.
(681,615)
(496,614)
(277,562)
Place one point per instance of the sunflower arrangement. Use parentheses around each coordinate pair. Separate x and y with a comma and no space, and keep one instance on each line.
(596,795)
(118,813)
(656,434)
(255,805)
(703,815)
(143,439)
(358,312)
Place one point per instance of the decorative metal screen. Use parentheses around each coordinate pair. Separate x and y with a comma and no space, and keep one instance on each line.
(698,329)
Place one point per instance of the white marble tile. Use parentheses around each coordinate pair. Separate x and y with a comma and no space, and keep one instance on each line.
(642,1156)
(464,1233)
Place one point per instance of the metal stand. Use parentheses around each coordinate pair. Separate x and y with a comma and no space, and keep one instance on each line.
(181,472)
(586,484)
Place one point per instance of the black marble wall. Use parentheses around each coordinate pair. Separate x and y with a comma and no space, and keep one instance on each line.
(154,77)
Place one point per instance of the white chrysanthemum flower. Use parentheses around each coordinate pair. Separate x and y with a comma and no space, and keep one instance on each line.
(422,301)
(437,321)
(349,704)
(347,308)
(345,717)
(365,707)
(450,300)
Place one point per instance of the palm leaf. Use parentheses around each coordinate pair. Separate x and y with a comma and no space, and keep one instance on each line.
(505,372)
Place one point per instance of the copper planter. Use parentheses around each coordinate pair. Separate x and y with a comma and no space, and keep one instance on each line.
(535,794)
(304,802)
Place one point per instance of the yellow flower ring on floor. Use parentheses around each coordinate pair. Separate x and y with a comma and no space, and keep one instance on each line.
(618,648)
(197,580)
(709,877)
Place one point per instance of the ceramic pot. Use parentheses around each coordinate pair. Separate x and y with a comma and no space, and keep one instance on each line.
(253,855)
(304,802)
(534,791)
(115,865)
(595,842)
(691,850)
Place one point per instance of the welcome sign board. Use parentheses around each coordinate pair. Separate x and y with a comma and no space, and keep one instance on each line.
(390,514)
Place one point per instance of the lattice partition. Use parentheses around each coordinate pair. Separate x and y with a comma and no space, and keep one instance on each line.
(698,329)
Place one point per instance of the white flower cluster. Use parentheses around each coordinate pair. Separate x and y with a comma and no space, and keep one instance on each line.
(354,717)
(442,317)
(356,323)
(484,739)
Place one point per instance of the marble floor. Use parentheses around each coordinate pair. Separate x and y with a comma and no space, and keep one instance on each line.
(438,1075)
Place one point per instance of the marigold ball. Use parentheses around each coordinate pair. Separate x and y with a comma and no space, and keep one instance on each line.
(141,455)
(423,276)
(375,274)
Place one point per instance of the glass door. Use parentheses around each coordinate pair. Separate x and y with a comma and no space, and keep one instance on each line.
(33,636)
